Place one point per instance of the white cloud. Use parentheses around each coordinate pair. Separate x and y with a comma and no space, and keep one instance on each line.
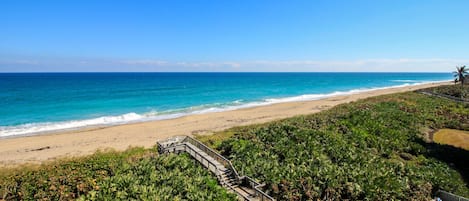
(382,65)
(181,63)
(360,65)
(22,62)
(144,62)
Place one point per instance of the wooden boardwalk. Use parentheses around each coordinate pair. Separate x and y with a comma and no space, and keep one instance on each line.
(245,187)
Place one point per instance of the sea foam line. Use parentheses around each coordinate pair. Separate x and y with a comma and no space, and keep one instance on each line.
(45,127)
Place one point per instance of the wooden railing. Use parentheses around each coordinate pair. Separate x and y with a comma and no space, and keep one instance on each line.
(227,163)
(218,157)
(203,160)
(178,143)
(446,196)
(257,187)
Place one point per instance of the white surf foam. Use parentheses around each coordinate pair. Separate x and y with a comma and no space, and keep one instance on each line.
(23,129)
(409,81)
(37,128)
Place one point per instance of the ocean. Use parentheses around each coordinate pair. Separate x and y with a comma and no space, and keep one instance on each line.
(33,103)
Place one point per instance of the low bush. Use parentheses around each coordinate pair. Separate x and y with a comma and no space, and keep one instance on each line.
(136,174)
(371,149)
(452,90)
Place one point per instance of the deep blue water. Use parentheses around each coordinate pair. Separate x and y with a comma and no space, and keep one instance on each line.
(33,102)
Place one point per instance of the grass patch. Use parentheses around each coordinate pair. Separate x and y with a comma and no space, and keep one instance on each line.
(452,137)
(215,139)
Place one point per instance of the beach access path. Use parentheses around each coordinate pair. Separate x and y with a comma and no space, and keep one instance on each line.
(39,148)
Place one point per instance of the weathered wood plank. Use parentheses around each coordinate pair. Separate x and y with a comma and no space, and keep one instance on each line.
(216,164)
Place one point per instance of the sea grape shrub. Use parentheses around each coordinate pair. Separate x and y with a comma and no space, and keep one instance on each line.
(161,178)
(366,150)
(136,174)
(61,180)
(451,90)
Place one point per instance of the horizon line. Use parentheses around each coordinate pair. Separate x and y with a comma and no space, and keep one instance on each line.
(32,72)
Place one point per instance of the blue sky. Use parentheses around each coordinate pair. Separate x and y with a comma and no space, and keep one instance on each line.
(199,35)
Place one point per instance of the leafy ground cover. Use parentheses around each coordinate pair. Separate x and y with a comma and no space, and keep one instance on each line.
(373,149)
(451,90)
(136,174)
(452,137)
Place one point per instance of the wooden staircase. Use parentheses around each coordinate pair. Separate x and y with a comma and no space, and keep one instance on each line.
(228,177)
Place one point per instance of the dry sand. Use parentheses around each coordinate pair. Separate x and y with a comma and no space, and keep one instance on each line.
(39,148)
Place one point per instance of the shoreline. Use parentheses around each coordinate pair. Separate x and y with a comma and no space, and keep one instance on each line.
(37,148)
(46,128)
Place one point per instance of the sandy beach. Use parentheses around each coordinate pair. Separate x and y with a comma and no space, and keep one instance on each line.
(39,148)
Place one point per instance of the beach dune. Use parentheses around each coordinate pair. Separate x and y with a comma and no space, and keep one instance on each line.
(39,148)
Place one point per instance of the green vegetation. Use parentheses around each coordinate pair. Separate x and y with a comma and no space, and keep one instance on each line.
(461,92)
(372,149)
(136,174)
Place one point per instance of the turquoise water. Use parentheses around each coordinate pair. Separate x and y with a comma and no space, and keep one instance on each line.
(39,102)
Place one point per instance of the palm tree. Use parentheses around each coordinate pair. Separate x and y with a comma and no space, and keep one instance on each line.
(460,74)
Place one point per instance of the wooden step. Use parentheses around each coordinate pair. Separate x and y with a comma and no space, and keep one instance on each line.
(226,176)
